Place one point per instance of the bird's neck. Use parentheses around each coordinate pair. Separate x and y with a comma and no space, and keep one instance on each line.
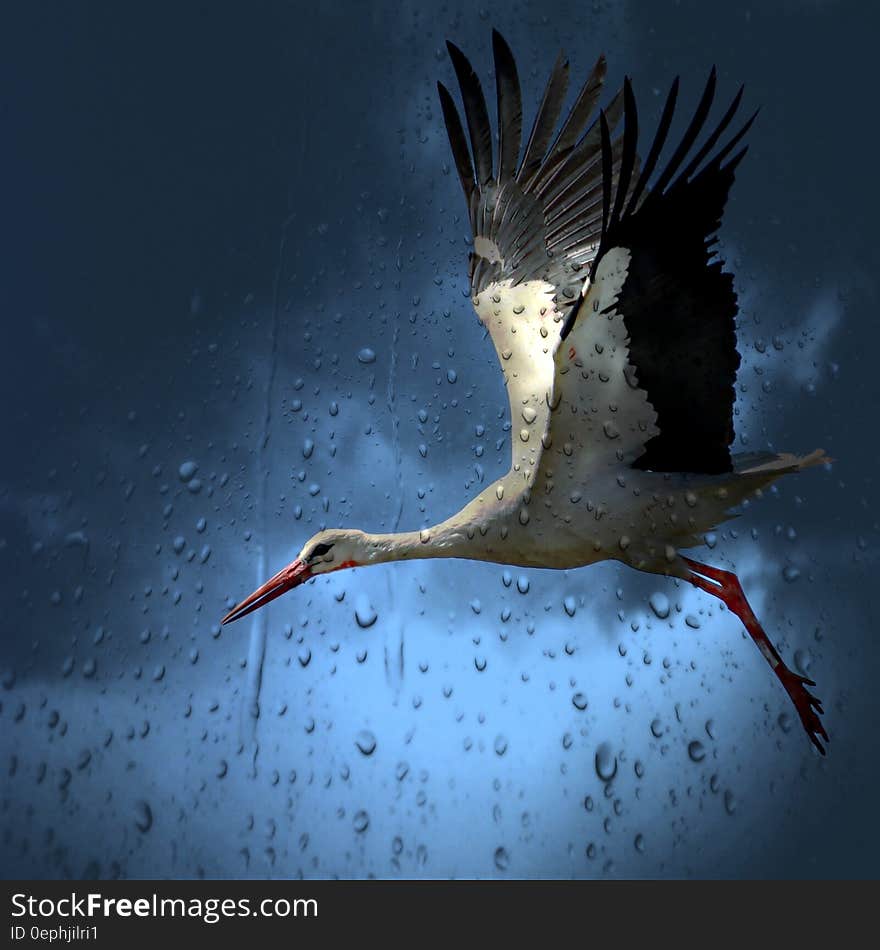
(444,540)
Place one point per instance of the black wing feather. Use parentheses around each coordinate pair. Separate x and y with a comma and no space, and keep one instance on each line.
(545,120)
(581,166)
(476,114)
(677,303)
(690,136)
(576,123)
(460,153)
(630,137)
(656,146)
(712,141)
(720,156)
(509,108)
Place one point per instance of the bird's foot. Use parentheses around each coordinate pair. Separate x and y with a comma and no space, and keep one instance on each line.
(808,707)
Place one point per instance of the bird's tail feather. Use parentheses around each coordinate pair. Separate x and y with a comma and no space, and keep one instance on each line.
(714,499)
(758,463)
(752,472)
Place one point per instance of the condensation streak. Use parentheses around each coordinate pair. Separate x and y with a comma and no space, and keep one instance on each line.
(394,642)
(259,624)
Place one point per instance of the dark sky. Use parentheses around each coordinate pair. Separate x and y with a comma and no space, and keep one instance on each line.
(194,194)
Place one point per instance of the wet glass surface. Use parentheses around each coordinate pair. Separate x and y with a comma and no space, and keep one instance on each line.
(236,312)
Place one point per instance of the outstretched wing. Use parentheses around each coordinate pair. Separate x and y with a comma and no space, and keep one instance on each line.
(673,310)
(596,280)
(538,218)
(536,223)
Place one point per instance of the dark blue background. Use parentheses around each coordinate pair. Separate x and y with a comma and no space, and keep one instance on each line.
(203,199)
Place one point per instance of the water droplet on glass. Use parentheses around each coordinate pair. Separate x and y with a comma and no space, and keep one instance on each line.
(606,762)
(143,816)
(696,751)
(802,661)
(365,742)
(364,612)
(610,429)
(187,470)
(659,603)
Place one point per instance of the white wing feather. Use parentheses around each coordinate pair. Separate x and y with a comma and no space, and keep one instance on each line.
(524,327)
(601,418)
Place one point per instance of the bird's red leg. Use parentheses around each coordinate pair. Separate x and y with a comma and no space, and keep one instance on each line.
(726,587)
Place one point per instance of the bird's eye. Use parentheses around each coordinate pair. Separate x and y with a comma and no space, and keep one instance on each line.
(319,550)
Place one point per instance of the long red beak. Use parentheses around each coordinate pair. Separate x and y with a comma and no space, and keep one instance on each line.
(286,579)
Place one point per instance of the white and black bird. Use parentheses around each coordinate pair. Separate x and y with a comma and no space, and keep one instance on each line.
(614,324)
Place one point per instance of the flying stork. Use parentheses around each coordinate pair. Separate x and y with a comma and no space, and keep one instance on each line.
(614,324)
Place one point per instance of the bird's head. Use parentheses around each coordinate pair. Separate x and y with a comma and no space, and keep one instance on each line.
(324,552)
